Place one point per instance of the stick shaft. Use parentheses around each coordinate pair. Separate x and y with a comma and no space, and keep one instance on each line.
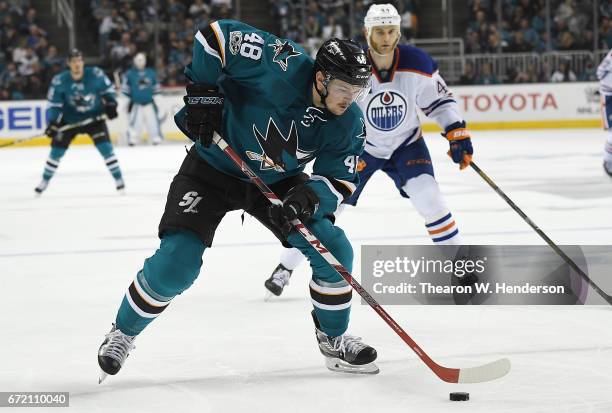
(62,129)
(541,233)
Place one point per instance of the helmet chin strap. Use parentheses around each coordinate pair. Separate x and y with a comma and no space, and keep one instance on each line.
(322,95)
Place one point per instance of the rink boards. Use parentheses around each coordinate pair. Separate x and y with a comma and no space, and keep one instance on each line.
(526,106)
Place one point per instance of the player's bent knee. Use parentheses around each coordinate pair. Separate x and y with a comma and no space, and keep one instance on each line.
(176,264)
(425,195)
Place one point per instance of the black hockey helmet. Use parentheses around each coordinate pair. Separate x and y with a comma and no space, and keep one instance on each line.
(344,60)
(74,53)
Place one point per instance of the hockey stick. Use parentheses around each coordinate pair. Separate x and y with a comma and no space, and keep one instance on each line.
(483,373)
(62,129)
(541,233)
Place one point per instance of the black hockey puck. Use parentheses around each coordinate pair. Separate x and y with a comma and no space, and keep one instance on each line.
(459,396)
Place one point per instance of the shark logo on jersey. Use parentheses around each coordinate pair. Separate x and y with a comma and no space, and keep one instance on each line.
(311,115)
(82,102)
(144,82)
(235,42)
(274,143)
(386,110)
(283,51)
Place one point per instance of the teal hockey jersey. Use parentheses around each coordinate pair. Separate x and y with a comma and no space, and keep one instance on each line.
(74,101)
(140,85)
(269,117)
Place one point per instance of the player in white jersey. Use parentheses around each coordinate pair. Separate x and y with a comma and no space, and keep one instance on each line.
(604,74)
(405,78)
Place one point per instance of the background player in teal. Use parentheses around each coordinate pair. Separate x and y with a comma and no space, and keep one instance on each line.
(141,87)
(80,95)
(278,110)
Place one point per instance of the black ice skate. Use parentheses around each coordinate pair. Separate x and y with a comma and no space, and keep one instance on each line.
(41,187)
(608,167)
(112,353)
(345,353)
(277,281)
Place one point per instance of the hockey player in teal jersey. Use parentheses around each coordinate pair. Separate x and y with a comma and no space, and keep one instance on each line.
(80,95)
(278,110)
(141,87)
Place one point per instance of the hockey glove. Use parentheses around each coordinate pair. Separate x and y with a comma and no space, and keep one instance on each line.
(204,107)
(110,108)
(52,130)
(301,202)
(460,144)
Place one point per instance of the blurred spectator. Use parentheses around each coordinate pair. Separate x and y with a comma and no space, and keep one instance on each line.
(52,59)
(493,44)
(545,73)
(563,73)
(199,12)
(518,44)
(468,77)
(409,24)
(605,33)
(515,75)
(313,33)
(359,13)
(473,43)
(486,76)
(121,51)
(566,41)
(530,35)
(529,76)
(27,63)
(589,74)
(538,22)
(110,28)
(332,29)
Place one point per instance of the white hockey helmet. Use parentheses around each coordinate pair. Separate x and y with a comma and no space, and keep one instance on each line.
(140,61)
(381,15)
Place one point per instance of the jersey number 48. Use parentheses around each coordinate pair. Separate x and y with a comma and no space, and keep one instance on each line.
(249,47)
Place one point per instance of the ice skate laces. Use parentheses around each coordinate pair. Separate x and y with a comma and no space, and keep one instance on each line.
(118,346)
(348,344)
(281,277)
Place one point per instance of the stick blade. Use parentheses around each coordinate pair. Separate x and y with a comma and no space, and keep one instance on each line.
(486,372)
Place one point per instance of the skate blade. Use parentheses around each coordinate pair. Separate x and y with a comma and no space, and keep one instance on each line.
(268,296)
(102,377)
(338,365)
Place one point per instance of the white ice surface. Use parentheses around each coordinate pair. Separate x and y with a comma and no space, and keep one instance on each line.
(67,258)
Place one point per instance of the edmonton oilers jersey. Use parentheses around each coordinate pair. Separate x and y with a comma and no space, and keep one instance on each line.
(604,74)
(390,109)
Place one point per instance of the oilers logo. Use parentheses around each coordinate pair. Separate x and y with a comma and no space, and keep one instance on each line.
(386,110)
